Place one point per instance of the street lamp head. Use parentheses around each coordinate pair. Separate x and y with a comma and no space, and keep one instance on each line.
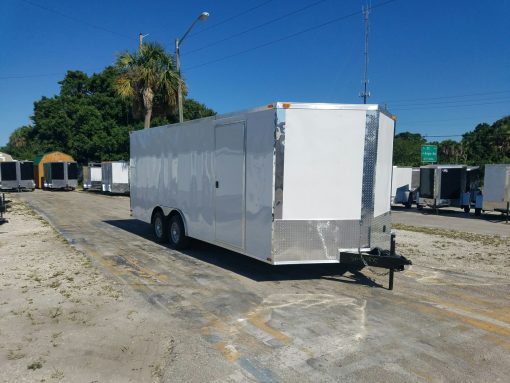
(203,16)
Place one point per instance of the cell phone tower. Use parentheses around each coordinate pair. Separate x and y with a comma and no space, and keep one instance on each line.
(365,94)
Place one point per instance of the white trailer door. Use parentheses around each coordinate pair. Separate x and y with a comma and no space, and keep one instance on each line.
(229,162)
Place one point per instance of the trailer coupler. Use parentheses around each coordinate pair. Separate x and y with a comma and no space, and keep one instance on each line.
(386,259)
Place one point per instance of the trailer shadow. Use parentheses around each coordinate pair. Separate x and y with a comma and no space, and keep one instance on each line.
(252,268)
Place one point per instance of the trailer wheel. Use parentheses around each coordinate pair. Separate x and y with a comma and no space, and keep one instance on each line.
(159,227)
(176,233)
(478,211)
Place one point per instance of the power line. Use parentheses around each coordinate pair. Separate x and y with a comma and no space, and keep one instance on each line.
(54,74)
(272,21)
(445,97)
(229,19)
(453,106)
(471,100)
(452,119)
(73,18)
(303,31)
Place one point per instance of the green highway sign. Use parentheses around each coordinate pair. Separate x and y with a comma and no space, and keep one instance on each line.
(429,153)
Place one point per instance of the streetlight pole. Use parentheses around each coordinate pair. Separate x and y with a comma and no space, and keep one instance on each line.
(202,17)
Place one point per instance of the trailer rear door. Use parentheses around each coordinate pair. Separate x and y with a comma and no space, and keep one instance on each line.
(229,162)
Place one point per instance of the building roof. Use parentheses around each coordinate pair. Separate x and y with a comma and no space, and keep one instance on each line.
(5,157)
(38,159)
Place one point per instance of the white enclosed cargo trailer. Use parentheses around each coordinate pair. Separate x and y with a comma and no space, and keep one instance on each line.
(115,177)
(496,188)
(401,186)
(92,176)
(285,184)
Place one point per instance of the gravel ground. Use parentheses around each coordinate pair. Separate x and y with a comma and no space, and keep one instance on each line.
(453,250)
(63,320)
(108,304)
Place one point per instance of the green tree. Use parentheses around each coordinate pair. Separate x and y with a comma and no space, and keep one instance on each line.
(149,79)
(451,152)
(407,149)
(488,143)
(88,120)
(193,110)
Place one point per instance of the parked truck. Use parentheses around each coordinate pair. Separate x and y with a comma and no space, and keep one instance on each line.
(288,183)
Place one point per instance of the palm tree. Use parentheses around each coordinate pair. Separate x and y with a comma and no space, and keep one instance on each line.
(148,78)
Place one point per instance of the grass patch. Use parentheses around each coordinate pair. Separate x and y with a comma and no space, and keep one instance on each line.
(13,355)
(35,365)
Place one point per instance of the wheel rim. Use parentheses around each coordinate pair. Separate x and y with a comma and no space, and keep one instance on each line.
(175,232)
(158,227)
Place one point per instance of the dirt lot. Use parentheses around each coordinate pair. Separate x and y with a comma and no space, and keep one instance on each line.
(110,305)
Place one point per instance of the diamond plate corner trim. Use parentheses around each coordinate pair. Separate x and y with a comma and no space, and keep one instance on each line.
(368,186)
(313,241)
(279,160)
(381,231)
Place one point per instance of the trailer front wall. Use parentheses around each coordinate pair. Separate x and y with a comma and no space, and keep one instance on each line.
(8,176)
(336,182)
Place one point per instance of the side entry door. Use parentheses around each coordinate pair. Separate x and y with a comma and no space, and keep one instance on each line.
(229,162)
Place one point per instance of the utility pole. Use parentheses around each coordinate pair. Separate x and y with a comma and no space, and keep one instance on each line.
(140,40)
(366,93)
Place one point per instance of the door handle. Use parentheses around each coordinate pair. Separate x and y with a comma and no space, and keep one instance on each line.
(217,184)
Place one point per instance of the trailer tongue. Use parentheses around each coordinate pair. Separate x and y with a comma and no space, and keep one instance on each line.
(386,259)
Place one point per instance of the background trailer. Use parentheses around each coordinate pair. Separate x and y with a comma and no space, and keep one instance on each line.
(17,175)
(496,188)
(61,175)
(285,184)
(402,191)
(115,177)
(92,176)
(442,186)
(41,159)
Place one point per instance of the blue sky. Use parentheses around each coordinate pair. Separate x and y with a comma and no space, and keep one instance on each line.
(440,66)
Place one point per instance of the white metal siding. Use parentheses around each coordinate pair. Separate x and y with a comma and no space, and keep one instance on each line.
(384,165)
(323,164)
(260,130)
(496,183)
(402,178)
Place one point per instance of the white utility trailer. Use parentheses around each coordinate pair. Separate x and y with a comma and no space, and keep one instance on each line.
(115,177)
(288,183)
(17,175)
(496,188)
(402,186)
(92,176)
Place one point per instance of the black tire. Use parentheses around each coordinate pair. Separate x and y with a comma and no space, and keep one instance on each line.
(478,211)
(467,209)
(160,227)
(176,233)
